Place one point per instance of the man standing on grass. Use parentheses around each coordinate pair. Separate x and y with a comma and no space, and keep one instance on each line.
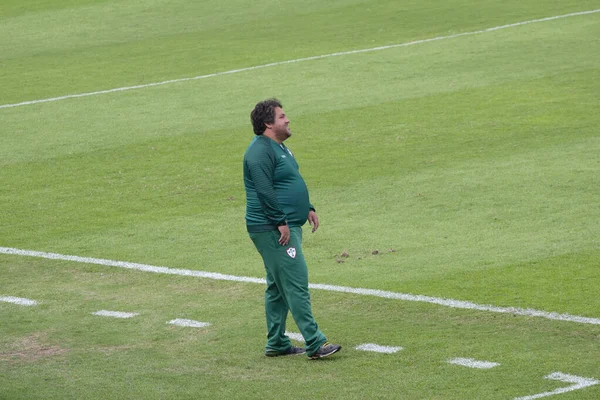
(277,205)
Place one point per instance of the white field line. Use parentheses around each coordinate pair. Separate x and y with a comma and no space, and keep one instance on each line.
(274,64)
(578,383)
(378,348)
(459,304)
(116,314)
(18,300)
(188,323)
(528,312)
(472,363)
(295,336)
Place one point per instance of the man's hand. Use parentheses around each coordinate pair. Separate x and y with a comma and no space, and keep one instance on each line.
(313,220)
(284,239)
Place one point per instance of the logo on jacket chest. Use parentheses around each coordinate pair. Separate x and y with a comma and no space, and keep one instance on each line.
(285,149)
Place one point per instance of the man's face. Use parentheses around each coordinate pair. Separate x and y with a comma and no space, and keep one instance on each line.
(280,125)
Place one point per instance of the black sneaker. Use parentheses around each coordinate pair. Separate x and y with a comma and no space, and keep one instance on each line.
(325,350)
(292,351)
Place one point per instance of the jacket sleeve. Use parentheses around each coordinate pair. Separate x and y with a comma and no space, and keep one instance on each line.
(261,168)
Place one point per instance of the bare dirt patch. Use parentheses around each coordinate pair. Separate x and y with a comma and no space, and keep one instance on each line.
(30,348)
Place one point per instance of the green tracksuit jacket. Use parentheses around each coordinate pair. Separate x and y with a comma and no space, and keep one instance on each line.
(275,191)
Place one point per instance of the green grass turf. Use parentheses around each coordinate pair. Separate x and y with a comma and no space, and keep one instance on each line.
(62,47)
(474,158)
(59,350)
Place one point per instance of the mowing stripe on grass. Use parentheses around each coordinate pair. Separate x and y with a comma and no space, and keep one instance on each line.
(274,64)
(188,323)
(344,289)
(18,300)
(378,349)
(116,314)
(472,363)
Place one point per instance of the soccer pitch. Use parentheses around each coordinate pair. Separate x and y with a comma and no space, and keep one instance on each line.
(451,150)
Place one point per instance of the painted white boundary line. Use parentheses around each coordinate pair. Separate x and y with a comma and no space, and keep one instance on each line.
(274,64)
(188,322)
(578,381)
(343,289)
(116,314)
(18,300)
(378,349)
(459,304)
(472,363)
(295,336)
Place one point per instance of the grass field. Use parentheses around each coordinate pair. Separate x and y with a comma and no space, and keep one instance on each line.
(468,157)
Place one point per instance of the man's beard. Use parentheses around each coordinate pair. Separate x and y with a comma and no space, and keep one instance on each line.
(284,133)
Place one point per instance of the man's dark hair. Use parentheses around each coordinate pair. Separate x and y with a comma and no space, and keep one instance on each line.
(264,113)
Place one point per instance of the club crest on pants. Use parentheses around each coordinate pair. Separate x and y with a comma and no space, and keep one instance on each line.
(291,252)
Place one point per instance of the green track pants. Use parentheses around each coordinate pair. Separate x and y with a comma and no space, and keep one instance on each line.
(287,289)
